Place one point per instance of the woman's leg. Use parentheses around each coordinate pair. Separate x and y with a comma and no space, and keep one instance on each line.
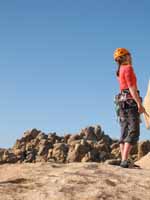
(126,151)
(121,149)
(125,154)
(133,133)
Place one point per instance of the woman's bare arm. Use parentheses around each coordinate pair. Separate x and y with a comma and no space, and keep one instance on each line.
(134,93)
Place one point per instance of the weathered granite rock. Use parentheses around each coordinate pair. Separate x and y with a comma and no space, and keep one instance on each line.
(143,148)
(44,146)
(90,145)
(20,154)
(134,150)
(98,132)
(77,150)
(30,156)
(73,138)
(102,147)
(1,155)
(59,152)
(66,138)
(54,138)
(30,135)
(114,145)
(89,133)
(115,153)
(9,157)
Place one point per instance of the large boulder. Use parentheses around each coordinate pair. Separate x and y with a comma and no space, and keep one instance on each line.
(30,135)
(98,132)
(66,138)
(102,147)
(20,154)
(77,150)
(30,156)
(73,138)
(1,155)
(9,157)
(94,133)
(143,148)
(90,133)
(54,138)
(44,146)
(58,153)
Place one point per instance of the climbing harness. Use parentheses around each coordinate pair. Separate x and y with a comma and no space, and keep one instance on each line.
(124,100)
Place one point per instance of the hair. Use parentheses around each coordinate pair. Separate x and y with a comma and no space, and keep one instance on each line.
(120,60)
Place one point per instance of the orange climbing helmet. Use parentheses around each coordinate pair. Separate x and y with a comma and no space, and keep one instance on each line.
(120,52)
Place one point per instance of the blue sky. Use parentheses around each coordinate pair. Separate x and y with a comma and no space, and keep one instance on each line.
(57,72)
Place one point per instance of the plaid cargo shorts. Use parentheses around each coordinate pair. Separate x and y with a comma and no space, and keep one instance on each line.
(129,123)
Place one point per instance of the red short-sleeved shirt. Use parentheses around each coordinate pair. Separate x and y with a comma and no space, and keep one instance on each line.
(127,77)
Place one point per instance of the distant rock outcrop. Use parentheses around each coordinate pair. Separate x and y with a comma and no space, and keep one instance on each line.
(90,145)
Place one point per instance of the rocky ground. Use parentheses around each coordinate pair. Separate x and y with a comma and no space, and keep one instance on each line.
(72,181)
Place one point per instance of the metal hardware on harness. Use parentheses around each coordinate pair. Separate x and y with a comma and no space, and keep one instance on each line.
(125,95)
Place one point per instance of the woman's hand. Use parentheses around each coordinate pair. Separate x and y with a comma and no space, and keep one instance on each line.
(141,109)
(133,91)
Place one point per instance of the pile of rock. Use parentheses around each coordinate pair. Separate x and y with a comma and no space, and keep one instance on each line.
(91,144)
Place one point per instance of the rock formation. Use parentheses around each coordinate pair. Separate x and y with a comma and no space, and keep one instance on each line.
(91,144)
